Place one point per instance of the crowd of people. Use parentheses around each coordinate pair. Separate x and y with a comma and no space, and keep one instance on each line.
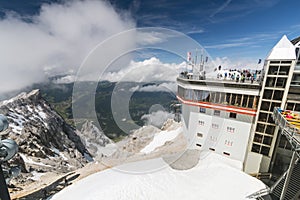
(239,75)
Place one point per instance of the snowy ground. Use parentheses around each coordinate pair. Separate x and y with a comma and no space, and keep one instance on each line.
(213,178)
(160,139)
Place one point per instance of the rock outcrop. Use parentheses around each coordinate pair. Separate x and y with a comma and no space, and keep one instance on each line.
(46,142)
(96,142)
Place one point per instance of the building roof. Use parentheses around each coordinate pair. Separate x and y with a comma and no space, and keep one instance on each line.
(296,40)
(283,50)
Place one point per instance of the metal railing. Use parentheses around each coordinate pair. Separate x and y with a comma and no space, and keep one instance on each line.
(291,131)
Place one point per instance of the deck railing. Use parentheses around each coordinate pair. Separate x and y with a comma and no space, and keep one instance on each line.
(289,130)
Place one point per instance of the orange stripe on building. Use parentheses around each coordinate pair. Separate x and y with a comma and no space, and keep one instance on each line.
(234,109)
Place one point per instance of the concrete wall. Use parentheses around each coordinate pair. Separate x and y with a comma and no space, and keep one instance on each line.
(224,136)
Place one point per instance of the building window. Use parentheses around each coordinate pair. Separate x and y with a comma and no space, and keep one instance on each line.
(212,138)
(217,98)
(217,112)
(262,117)
(228,143)
(267,140)
(245,101)
(273,105)
(260,128)
(265,150)
(270,82)
(256,148)
(226,153)
(202,110)
(265,105)
(270,129)
(268,94)
(200,135)
(258,138)
(233,98)
(215,126)
(284,70)
(250,101)
(232,115)
(290,106)
(230,129)
(201,123)
(281,82)
(273,70)
(278,94)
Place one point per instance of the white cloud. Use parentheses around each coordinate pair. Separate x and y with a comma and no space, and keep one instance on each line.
(65,79)
(56,40)
(227,45)
(149,70)
(164,87)
(157,118)
(228,63)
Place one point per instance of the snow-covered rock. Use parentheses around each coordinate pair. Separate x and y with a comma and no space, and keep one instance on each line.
(46,142)
(96,142)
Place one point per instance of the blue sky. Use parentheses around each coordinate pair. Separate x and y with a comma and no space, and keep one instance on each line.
(231,28)
(42,38)
(235,29)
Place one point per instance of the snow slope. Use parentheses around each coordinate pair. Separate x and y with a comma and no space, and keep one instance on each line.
(160,139)
(214,178)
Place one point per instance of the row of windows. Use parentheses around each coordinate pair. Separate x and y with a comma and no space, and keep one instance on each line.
(280,61)
(218,112)
(277,82)
(247,101)
(230,129)
(216,126)
(268,129)
(213,149)
(215,139)
(269,106)
(273,94)
(293,106)
(296,80)
(263,139)
(265,117)
(260,149)
(279,70)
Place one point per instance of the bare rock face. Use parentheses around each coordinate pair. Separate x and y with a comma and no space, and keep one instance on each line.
(46,142)
(97,143)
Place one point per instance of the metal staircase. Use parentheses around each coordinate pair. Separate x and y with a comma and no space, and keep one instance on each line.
(288,185)
(293,186)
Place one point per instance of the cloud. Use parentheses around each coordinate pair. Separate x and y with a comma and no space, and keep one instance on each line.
(147,38)
(228,63)
(226,45)
(164,87)
(157,118)
(149,70)
(222,7)
(65,80)
(56,40)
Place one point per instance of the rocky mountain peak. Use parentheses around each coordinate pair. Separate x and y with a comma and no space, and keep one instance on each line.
(46,142)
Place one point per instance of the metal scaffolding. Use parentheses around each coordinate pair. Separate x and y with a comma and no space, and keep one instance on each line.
(291,131)
(289,128)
